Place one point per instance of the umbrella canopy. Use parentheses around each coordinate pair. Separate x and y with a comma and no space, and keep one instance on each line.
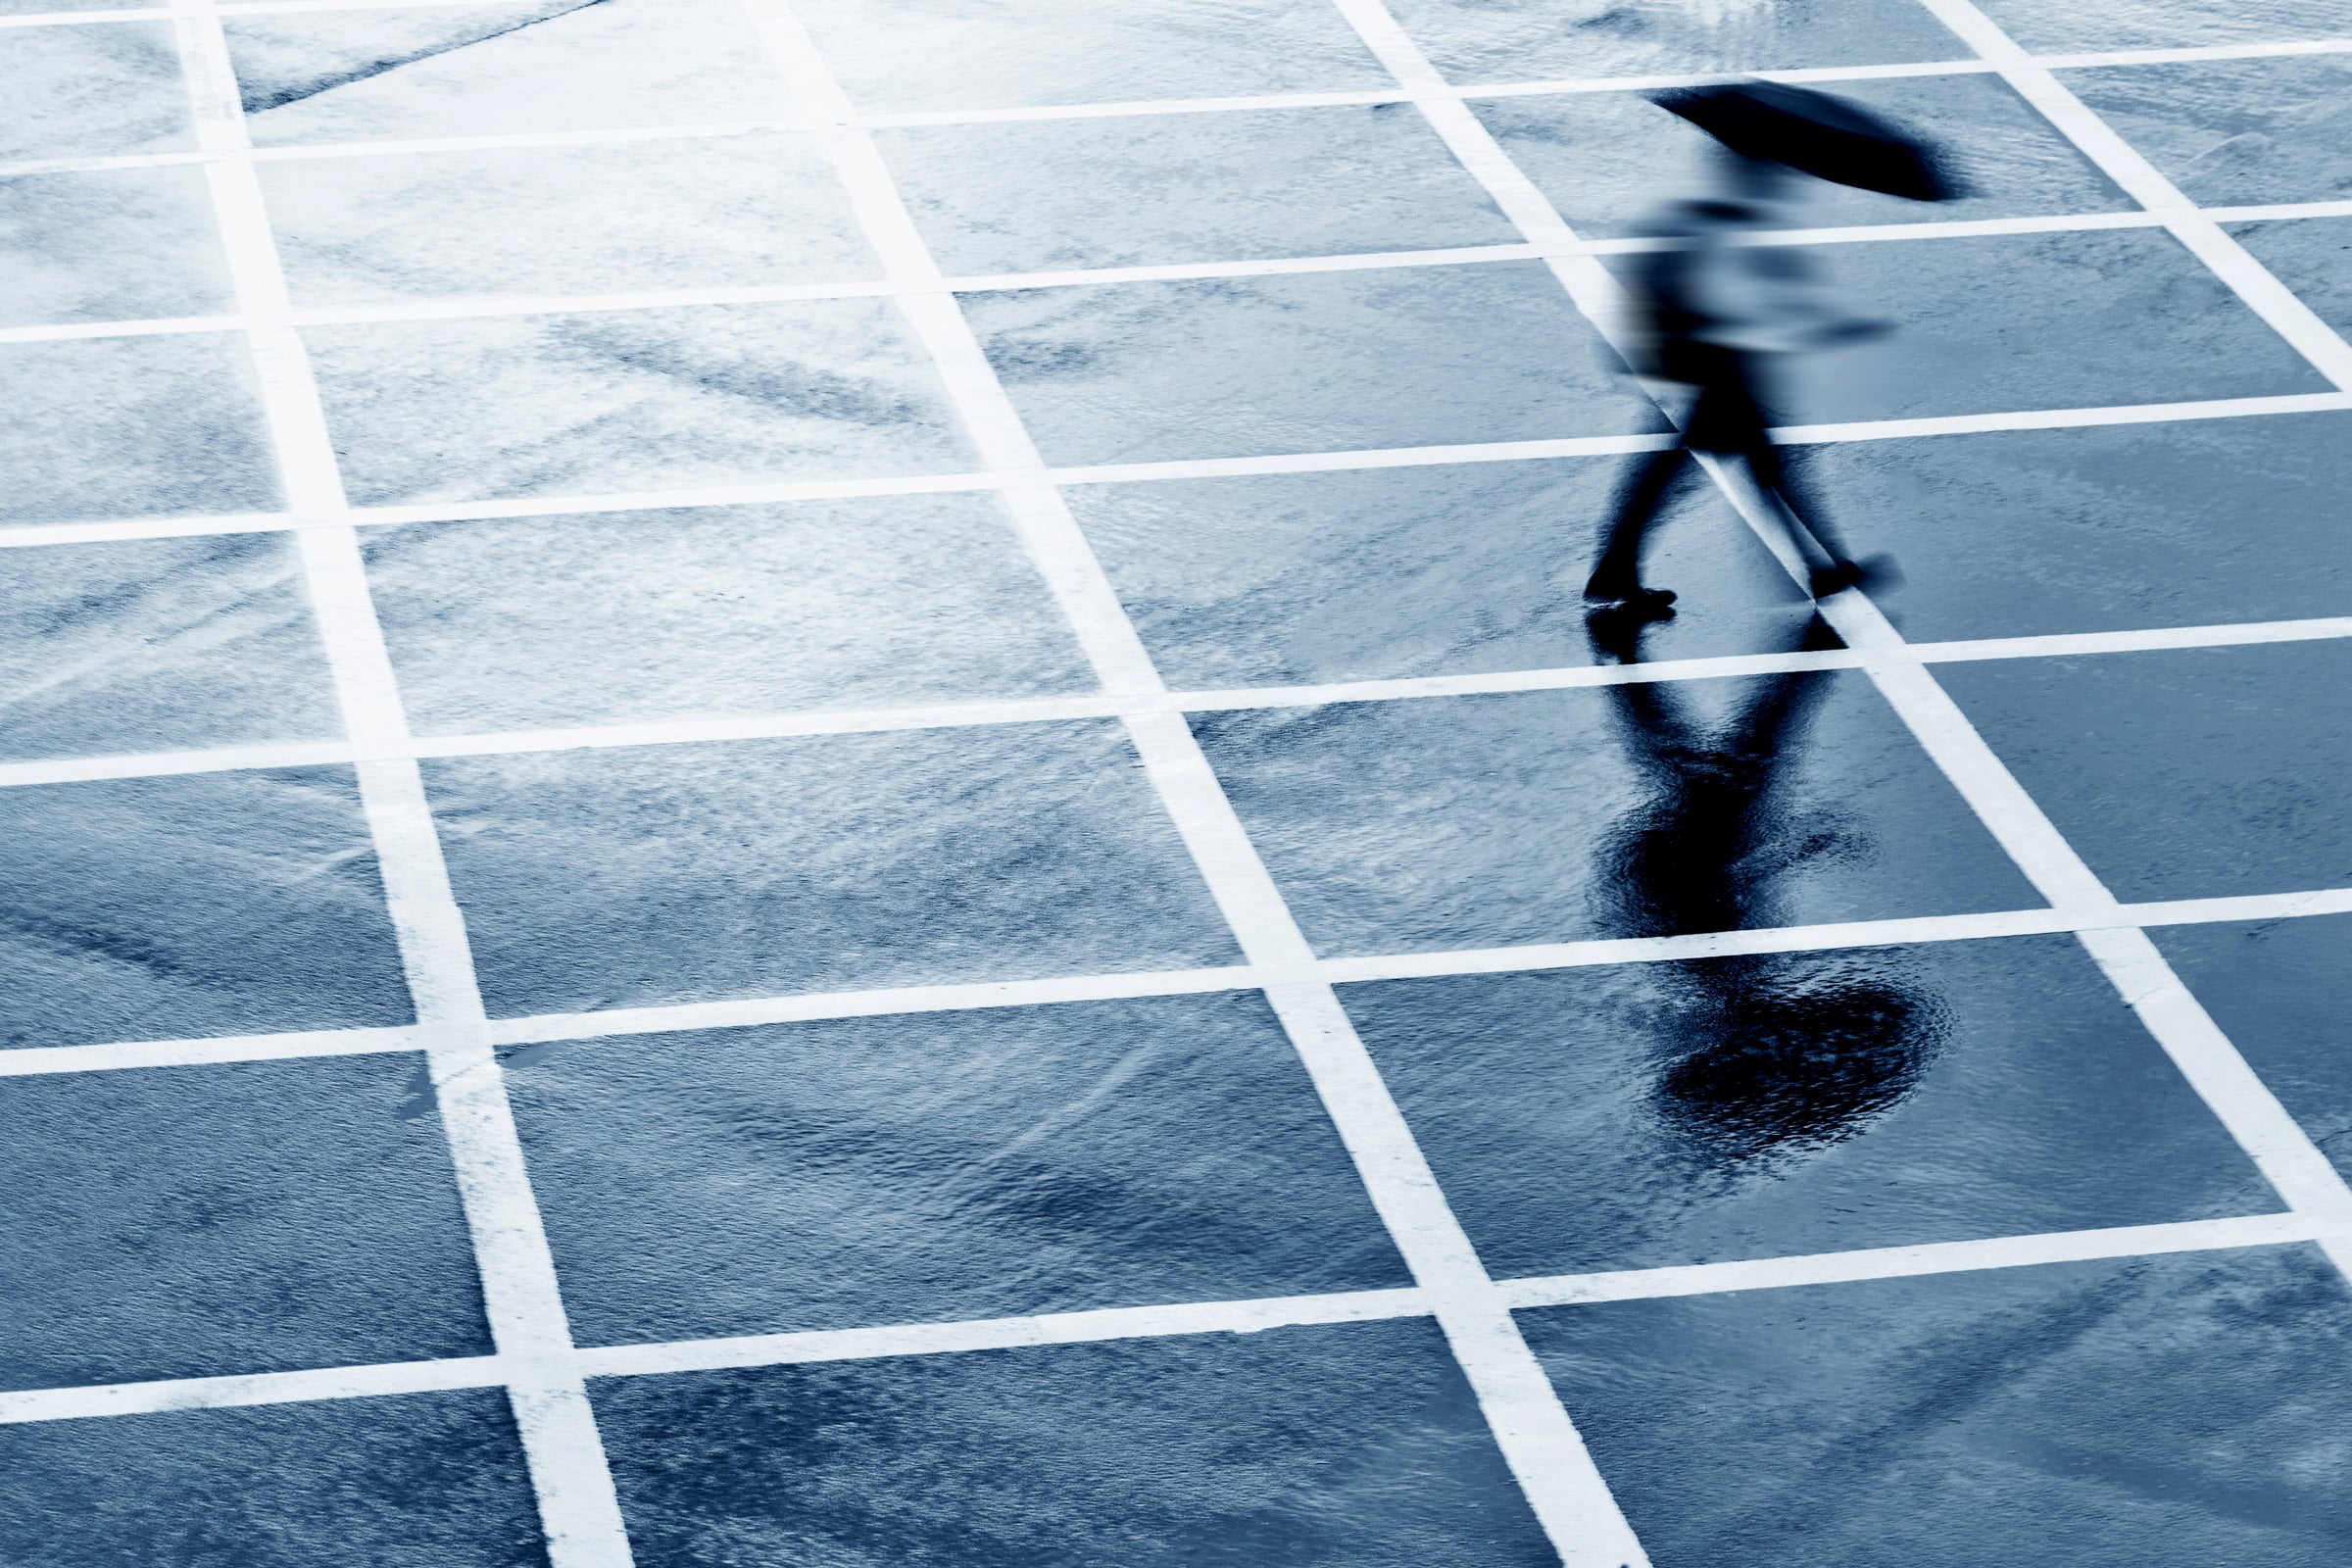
(1829,138)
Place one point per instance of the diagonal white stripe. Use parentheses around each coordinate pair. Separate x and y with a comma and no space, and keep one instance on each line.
(2237,1094)
(560,1447)
(1517,1399)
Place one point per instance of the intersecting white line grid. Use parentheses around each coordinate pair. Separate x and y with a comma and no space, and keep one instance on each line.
(1427,88)
(580,1513)
(26,535)
(535,1359)
(461,307)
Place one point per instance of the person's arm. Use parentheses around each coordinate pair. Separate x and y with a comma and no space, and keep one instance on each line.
(1795,302)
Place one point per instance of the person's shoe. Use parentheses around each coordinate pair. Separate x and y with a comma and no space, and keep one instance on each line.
(1836,578)
(1631,599)
(1616,631)
(1876,573)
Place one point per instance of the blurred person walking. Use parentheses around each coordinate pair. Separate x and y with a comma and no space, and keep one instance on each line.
(1717,310)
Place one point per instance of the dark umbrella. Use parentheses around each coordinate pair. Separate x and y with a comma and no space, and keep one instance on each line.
(1814,134)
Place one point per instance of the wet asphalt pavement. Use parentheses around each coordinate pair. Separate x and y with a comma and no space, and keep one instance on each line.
(822,787)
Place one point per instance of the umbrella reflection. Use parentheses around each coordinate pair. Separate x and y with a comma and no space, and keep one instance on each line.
(1765,1055)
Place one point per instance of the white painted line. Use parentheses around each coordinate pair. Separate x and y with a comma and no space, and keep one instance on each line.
(1520,1407)
(31,167)
(833,722)
(498,141)
(111,529)
(1921,68)
(1872,233)
(1577,85)
(1489,683)
(254,1388)
(1000,1334)
(1904,1262)
(284,8)
(1538,956)
(2228,260)
(41,1059)
(456,308)
(392,148)
(2261,906)
(163,765)
(2265,212)
(127,528)
(1049,710)
(2288,1158)
(2069,644)
(1584,446)
(499,306)
(577,1507)
(1128,108)
(2247,908)
(1151,1322)
(1261,267)
(883,1002)
(157,326)
(2183,55)
(2064,418)
(367,149)
(758,494)
(234,8)
(2271,1138)
(74,19)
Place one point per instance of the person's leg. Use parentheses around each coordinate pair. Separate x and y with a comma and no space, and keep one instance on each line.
(1746,426)
(1617,573)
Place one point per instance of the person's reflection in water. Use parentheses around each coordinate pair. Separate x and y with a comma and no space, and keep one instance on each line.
(1765,1057)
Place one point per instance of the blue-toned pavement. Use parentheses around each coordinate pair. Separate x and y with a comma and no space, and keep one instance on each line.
(820,784)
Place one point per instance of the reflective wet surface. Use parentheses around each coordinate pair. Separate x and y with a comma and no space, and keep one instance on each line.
(742,211)
(133,426)
(2166,1409)
(110,245)
(1141,372)
(1153,190)
(2059,25)
(159,645)
(2074,335)
(2041,532)
(1524,40)
(632,401)
(936,55)
(266,1216)
(1222,1450)
(615,951)
(1281,578)
(207,903)
(645,876)
(2275,986)
(599,618)
(2212,767)
(941,1167)
(1644,1115)
(282,1484)
(1476,821)
(541,65)
(2231,131)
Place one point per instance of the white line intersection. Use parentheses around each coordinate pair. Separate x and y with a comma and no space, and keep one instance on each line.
(536,1360)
